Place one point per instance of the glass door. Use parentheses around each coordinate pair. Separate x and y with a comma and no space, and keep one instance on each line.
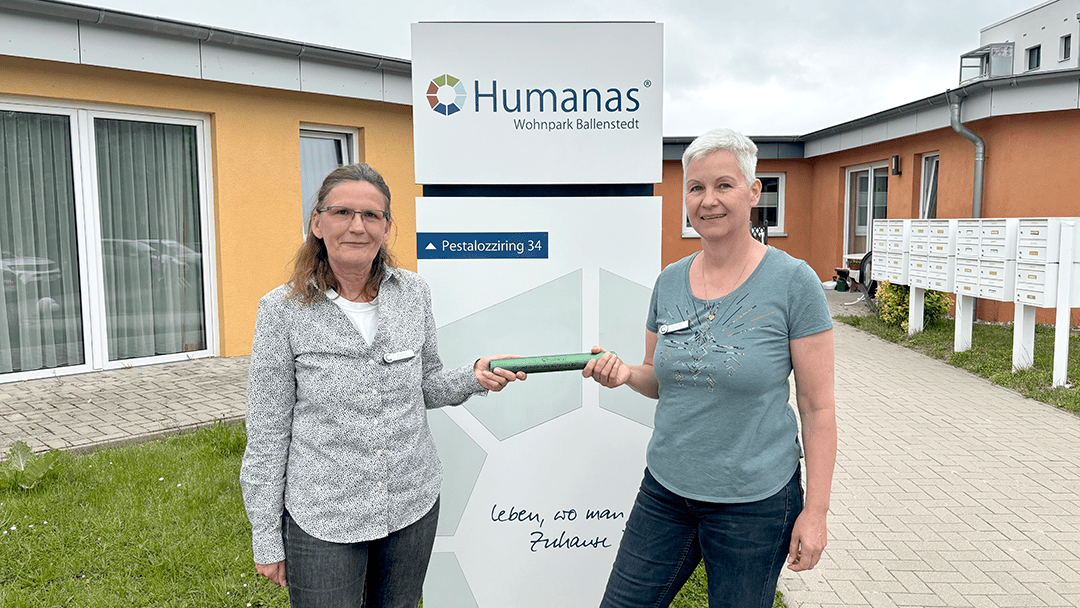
(867,200)
(41,324)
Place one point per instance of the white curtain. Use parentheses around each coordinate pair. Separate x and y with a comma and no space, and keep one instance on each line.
(40,315)
(319,155)
(151,239)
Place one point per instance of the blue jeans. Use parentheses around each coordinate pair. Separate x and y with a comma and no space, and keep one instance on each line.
(384,573)
(744,547)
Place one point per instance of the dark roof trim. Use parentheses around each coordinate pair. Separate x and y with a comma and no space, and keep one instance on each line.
(168,27)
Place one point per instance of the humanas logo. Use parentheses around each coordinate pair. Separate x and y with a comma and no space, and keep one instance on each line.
(446,94)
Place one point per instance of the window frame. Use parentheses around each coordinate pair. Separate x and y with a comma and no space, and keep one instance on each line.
(1065,47)
(1033,52)
(349,137)
(88,229)
(688,231)
(870,168)
(923,199)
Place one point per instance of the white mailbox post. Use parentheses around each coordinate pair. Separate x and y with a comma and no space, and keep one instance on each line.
(1046,276)
(932,251)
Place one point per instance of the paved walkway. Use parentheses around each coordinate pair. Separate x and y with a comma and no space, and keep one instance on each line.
(949,491)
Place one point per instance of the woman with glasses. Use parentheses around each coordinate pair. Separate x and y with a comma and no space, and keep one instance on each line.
(726,328)
(340,476)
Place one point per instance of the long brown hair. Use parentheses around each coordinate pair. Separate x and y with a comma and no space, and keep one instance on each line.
(312,275)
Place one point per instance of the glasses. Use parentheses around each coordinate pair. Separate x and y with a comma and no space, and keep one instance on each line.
(345,215)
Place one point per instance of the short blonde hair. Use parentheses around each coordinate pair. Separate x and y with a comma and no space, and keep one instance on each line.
(739,145)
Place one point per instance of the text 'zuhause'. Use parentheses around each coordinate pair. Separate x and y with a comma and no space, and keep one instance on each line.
(575,124)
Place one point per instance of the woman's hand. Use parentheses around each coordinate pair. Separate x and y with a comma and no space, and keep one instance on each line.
(808,540)
(275,572)
(495,380)
(609,370)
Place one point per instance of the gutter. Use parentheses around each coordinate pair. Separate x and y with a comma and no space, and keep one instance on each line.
(955,101)
(212,35)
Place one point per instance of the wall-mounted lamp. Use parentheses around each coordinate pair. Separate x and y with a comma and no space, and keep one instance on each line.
(895,165)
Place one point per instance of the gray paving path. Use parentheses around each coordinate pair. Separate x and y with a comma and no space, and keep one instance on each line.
(949,491)
(86,411)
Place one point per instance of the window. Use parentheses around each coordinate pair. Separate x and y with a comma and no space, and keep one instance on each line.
(1065,48)
(866,200)
(1034,57)
(102,243)
(928,201)
(770,207)
(322,149)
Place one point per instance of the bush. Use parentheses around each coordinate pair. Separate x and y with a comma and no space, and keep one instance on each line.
(893,303)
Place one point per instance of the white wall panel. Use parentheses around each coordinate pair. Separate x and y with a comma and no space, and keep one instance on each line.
(976,107)
(933,118)
(1035,97)
(125,49)
(876,132)
(397,88)
(902,126)
(851,139)
(825,145)
(243,66)
(337,79)
(28,36)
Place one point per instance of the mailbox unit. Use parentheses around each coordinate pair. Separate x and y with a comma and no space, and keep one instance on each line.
(890,256)
(932,254)
(1037,262)
(986,258)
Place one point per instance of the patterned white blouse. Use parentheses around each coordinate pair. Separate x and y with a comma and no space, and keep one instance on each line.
(336,433)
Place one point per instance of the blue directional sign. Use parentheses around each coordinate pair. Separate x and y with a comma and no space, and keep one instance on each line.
(481,245)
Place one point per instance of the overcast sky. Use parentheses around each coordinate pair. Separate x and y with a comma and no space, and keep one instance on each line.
(760,67)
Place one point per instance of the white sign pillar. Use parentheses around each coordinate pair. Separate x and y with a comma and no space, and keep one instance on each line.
(520,130)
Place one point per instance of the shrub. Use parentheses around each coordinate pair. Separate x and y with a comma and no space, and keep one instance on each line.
(893,303)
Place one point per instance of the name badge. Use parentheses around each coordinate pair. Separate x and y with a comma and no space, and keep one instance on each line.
(667,329)
(404,355)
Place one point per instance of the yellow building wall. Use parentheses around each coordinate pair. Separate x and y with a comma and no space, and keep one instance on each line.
(255,170)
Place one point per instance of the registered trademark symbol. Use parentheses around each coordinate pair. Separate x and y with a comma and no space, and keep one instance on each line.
(648,83)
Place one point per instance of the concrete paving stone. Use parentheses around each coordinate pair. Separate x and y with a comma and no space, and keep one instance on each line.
(949,595)
(922,600)
(888,587)
(848,593)
(934,576)
(1017,601)
(912,581)
(974,572)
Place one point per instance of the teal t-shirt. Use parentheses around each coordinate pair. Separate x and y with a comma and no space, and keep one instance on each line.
(724,430)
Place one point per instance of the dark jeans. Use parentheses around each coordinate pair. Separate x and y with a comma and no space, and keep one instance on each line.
(744,547)
(384,573)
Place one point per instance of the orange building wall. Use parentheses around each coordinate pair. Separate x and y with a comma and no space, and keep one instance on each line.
(255,171)
(1032,170)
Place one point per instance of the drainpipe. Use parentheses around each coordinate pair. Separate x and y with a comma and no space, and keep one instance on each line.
(980,152)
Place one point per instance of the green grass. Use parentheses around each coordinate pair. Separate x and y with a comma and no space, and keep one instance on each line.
(990,355)
(156,524)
